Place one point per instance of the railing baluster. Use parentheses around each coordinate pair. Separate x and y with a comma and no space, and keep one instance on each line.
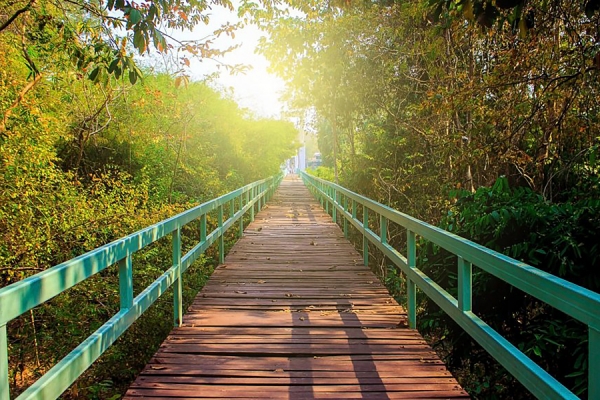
(353,209)
(253,196)
(334,203)
(178,284)
(126,282)
(411,290)
(247,200)
(383,229)
(4,382)
(203,227)
(465,282)
(365,240)
(321,195)
(221,236)
(345,219)
(241,216)
(594,363)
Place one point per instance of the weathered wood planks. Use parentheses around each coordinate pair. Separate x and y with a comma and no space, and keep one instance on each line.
(293,314)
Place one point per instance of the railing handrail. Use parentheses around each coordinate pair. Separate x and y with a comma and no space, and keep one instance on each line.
(576,301)
(33,291)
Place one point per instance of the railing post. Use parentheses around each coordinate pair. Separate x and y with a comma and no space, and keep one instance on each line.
(353,209)
(242,215)
(178,284)
(411,290)
(345,219)
(334,203)
(221,236)
(594,363)
(126,282)
(465,281)
(321,196)
(252,191)
(203,227)
(259,194)
(383,229)
(327,199)
(365,240)
(4,382)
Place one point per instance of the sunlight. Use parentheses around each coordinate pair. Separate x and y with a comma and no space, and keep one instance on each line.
(255,88)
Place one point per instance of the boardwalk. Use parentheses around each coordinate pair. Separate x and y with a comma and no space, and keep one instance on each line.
(293,314)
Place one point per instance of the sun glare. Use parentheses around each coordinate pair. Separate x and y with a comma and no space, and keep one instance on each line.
(255,89)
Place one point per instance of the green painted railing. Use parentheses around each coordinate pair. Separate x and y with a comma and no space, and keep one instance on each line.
(24,295)
(575,301)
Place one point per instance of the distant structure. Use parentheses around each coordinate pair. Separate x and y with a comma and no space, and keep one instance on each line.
(300,161)
(296,163)
(301,158)
(315,161)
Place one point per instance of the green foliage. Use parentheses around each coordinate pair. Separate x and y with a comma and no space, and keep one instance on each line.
(559,238)
(322,172)
(83,164)
(413,100)
(88,33)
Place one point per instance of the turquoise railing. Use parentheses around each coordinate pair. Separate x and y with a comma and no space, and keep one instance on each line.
(24,295)
(575,301)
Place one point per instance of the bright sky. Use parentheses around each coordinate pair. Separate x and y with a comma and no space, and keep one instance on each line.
(256,89)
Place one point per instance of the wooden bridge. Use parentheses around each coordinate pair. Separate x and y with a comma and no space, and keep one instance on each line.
(294,314)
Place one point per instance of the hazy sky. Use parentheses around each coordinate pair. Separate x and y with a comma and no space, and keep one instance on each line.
(256,89)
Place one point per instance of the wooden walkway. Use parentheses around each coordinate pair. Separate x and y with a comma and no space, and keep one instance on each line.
(293,314)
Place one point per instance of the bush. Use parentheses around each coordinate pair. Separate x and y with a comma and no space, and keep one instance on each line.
(559,238)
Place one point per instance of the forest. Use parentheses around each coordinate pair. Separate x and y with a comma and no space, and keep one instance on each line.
(479,116)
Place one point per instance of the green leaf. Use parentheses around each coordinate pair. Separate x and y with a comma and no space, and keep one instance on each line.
(139,42)
(94,74)
(113,65)
(132,77)
(574,374)
(495,215)
(135,16)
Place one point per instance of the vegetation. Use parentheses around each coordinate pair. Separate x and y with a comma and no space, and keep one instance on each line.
(90,152)
(480,116)
(477,115)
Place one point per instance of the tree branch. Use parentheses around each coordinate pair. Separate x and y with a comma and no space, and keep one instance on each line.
(9,21)
(17,101)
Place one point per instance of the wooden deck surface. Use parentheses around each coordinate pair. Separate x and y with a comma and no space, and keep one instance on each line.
(293,314)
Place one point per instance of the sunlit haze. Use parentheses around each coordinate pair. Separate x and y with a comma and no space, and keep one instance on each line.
(255,89)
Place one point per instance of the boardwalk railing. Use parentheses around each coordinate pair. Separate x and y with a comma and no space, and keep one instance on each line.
(575,301)
(24,295)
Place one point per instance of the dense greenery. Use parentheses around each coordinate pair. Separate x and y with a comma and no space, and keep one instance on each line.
(557,237)
(424,105)
(478,115)
(87,157)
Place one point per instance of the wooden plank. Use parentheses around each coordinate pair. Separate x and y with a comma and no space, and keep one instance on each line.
(293,314)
